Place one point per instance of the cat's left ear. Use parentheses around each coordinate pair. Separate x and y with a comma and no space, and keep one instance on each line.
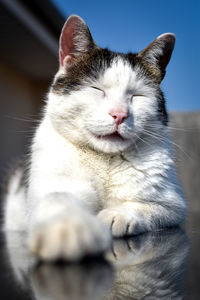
(159,52)
(75,40)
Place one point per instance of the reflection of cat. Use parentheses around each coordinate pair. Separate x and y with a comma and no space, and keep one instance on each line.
(102,147)
(72,282)
(150,266)
(147,267)
(88,280)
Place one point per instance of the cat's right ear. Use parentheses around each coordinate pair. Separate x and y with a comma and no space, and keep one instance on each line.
(159,52)
(75,39)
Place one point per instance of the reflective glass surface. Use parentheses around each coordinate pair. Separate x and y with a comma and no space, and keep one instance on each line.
(158,265)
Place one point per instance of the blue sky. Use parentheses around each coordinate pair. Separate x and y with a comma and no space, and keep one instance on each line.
(129,25)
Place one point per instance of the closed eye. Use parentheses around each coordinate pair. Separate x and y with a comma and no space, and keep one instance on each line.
(136,95)
(98,89)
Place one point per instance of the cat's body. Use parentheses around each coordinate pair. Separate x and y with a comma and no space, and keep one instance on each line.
(101,148)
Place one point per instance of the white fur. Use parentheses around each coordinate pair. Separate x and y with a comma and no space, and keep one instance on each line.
(75,173)
(15,210)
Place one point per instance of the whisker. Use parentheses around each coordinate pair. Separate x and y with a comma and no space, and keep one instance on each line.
(163,140)
(23,119)
(155,126)
(142,140)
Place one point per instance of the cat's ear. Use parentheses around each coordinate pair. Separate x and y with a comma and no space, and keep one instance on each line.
(159,52)
(75,39)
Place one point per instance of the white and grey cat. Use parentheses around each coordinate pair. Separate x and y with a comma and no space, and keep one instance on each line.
(101,159)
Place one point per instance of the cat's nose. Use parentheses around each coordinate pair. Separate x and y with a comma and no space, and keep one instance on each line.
(119,115)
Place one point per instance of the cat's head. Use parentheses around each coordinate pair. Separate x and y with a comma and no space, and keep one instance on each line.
(104,99)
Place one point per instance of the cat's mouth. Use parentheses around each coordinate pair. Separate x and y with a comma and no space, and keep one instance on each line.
(113,136)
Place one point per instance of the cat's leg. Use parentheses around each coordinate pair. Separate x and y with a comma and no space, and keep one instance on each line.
(72,281)
(150,265)
(150,246)
(14,201)
(131,218)
(63,227)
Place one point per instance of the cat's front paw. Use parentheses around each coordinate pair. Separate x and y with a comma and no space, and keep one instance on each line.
(121,222)
(70,238)
(125,251)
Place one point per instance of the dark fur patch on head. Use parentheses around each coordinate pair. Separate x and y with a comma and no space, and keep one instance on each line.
(154,76)
(87,66)
(162,112)
(90,66)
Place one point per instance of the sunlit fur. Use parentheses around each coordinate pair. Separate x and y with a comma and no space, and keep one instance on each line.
(77,170)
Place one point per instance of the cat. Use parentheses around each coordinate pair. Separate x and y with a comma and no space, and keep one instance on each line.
(101,162)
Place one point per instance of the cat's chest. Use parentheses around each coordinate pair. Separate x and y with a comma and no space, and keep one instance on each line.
(124,181)
(116,179)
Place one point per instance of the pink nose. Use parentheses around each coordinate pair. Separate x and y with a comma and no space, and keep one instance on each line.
(118,115)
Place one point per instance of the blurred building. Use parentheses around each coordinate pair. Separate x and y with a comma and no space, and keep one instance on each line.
(28,61)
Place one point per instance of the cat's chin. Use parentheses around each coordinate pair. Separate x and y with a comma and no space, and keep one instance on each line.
(113,137)
(110,143)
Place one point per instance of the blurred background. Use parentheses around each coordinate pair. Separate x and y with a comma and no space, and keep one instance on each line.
(29,59)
